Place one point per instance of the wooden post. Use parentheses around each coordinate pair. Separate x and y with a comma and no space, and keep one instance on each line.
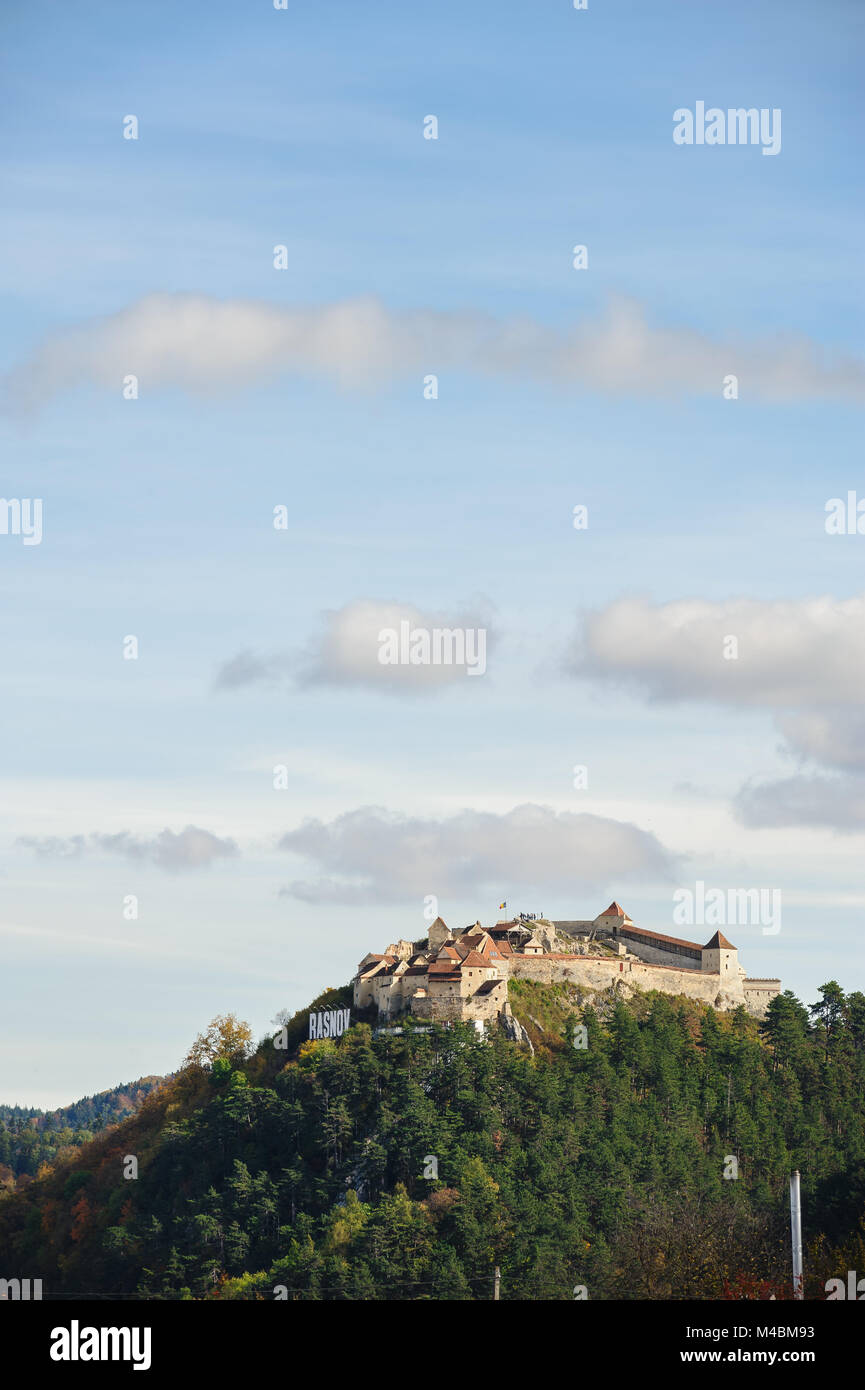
(497,1283)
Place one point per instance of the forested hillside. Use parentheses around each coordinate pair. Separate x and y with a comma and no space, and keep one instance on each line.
(31,1139)
(599,1166)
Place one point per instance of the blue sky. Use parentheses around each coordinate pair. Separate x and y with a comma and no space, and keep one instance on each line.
(304,128)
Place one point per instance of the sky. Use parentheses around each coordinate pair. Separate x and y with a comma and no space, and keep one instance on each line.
(281,483)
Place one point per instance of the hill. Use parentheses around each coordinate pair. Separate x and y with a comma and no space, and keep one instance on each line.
(31,1139)
(408,1166)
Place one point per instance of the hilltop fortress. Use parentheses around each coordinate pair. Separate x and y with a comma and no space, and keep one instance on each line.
(464,974)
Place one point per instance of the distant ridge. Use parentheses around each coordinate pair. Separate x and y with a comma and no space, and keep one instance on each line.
(31,1138)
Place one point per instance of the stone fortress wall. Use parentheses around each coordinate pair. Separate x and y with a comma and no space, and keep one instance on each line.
(593,973)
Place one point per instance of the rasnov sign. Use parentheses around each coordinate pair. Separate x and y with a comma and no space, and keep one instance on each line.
(330,1023)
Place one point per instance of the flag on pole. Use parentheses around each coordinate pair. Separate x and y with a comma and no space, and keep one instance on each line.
(503,905)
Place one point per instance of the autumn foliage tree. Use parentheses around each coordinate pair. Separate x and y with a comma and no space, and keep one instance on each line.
(226,1037)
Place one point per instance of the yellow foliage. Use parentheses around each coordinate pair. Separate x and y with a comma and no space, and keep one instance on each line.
(226,1036)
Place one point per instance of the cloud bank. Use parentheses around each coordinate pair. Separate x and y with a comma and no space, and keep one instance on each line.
(802,659)
(834,737)
(828,803)
(806,652)
(833,741)
(373,855)
(202,344)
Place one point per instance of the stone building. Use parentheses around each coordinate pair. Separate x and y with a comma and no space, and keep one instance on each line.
(464,974)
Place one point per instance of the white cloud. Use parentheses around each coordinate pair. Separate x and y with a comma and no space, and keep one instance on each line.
(191,848)
(346,651)
(373,855)
(203,344)
(833,737)
(802,659)
(791,653)
(834,803)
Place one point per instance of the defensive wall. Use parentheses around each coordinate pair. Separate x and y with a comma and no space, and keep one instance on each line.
(595,973)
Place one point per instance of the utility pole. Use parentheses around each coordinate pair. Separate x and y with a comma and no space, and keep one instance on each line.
(497,1283)
(796,1235)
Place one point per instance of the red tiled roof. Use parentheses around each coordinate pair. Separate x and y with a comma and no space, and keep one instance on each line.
(465,947)
(475,959)
(719,942)
(614,910)
(659,936)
